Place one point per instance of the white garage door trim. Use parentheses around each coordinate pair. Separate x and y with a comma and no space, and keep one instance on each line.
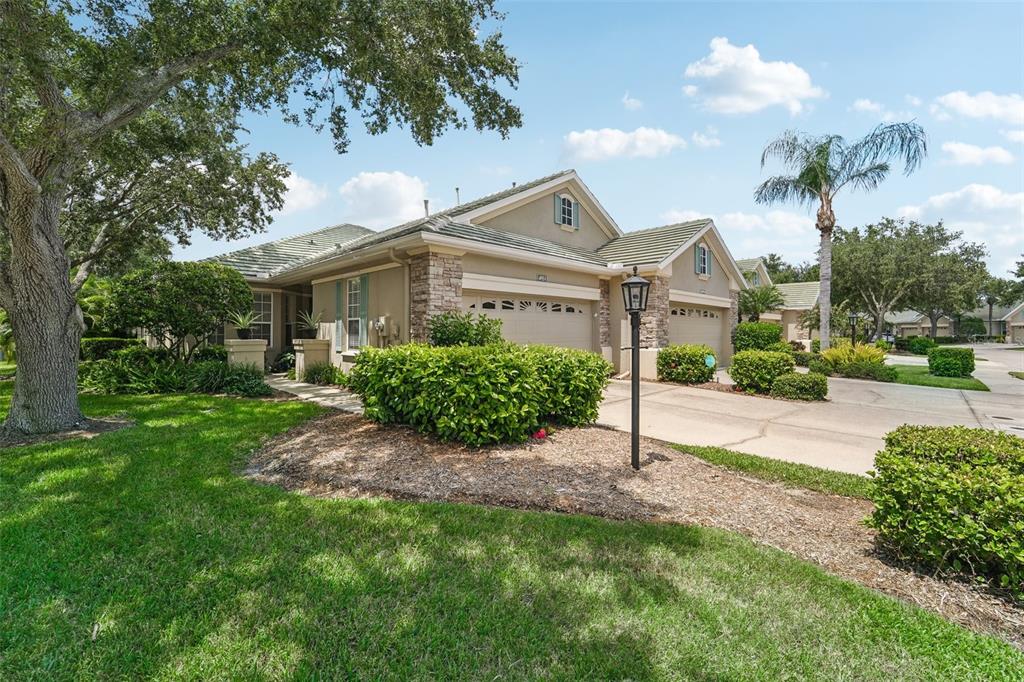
(688,324)
(555,321)
(513,285)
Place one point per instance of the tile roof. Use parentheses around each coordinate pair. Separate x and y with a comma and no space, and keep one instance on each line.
(902,317)
(513,240)
(503,194)
(652,245)
(748,264)
(261,259)
(800,294)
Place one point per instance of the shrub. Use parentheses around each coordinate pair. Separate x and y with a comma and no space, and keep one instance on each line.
(685,364)
(875,371)
(803,358)
(843,355)
(101,347)
(755,335)
(210,353)
(818,366)
(902,343)
(138,355)
(454,328)
(815,345)
(755,370)
(944,340)
(811,386)
(323,373)
(138,373)
(920,345)
(951,362)
(284,361)
(214,376)
(781,347)
(953,497)
(883,344)
(479,394)
(797,346)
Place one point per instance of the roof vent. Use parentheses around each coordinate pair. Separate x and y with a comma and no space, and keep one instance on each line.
(513,183)
(457,200)
(426,207)
(312,242)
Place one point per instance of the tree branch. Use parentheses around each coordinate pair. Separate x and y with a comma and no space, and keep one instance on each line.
(14,167)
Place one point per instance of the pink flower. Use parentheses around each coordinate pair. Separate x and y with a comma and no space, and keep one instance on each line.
(541,433)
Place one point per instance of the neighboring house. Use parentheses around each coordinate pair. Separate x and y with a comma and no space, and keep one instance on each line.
(545,257)
(1000,318)
(911,323)
(1013,323)
(799,296)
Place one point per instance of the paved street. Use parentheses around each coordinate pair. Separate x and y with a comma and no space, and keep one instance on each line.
(843,433)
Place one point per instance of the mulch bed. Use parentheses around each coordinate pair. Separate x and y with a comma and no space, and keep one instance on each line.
(586,471)
(87,428)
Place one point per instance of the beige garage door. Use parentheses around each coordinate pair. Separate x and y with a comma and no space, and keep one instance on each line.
(696,324)
(560,322)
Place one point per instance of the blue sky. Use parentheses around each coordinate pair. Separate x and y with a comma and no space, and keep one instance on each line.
(707,86)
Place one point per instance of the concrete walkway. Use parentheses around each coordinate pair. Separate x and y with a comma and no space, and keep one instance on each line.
(843,433)
(328,396)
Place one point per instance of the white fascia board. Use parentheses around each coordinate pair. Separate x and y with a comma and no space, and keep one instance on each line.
(513,285)
(681,296)
(472,246)
(572,177)
(1007,316)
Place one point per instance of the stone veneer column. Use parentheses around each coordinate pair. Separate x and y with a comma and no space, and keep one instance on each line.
(654,321)
(435,286)
(734,313)
(604,315)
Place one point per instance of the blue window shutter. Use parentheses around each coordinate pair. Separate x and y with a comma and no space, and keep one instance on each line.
(558,210)
(339,325)
(708,251)
(364,291)
(696,259)
(576,214)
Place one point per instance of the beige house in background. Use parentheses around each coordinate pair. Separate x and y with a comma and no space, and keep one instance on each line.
(907,323)
(545,257)
(798,297)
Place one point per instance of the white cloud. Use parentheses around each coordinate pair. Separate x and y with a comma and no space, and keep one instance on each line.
(1013,135)
(709,138)
(754,234)
(876,109)
(1008,108)
(962,154)
(867,105)
(301,194)
(985,214)
(383,199)
(913,101)
(631,103)
(610,143)
(737,81)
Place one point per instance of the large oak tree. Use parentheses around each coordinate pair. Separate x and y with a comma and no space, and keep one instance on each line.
(119,119)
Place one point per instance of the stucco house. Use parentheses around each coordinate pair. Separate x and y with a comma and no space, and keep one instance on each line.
(545,257)
(1013,323)
(798,297)
(911,323)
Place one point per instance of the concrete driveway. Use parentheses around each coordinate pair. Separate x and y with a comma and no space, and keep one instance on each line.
(843,433)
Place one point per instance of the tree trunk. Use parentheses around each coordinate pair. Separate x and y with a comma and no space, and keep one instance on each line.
(44,313)
(880,323)
(935,324)
(990,320)
(825,298)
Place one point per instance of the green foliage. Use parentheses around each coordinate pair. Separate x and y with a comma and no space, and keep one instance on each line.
(841,356)
(815,345)
(210,352)
(756,335)
(323,373)
(454,328)
(139,354)
(803,358)
(781,347)
(242,320)
(874,371)
(953,497)
(479,394)
(179,301)
(883,344)
(862,361)
(138,373)
(795,386)
(818,366)
(755,301)
(100,347)
(284,361)
(685,364)
(971,326)
(951,362)
(920,345)
(756,370)
(902,343)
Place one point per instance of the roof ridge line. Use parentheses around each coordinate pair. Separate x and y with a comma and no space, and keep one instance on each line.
(281,239)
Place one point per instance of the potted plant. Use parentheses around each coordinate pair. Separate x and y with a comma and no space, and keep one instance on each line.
(243,322)
(309,324)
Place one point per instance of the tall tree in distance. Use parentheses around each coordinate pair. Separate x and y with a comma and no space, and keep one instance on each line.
(996,291)
(84,84)
(950,283)
(782,272)
(821,166)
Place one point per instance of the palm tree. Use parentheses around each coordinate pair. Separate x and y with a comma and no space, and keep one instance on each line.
(757,300)
(996,291)
(823,165)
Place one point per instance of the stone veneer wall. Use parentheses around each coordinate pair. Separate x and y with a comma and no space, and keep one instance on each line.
(654,321)
(734,314)
(435,286)
(604,314)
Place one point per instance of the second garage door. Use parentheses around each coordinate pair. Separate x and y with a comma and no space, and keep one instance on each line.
(559,322)
(696,324)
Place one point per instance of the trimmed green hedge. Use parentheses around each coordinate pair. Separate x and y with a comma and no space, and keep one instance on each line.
(140,374)
(755,335)
(951,362)
(810,386)
(479,394)
(803,358)
(920,345)
(454,328)
(102,347)
(781,347)
(953,497)
(685,364)
(756,370)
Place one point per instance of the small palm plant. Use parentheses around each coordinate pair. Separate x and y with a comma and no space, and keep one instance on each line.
(756,301)
(243,321)
(309,322)
(821,166)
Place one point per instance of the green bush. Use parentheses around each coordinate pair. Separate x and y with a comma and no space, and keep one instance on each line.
(101,347)
(755,370)
(781,347)
(323,373)
(818,366)
(902,343)
(883,344)
(953,497)
(214,376)
(951,362)
(284,361)
(874,371)
(940,340)
(138,355)
(810,386)
(479,394)
(920,345)
(137,373)
(685,364)
(755,335)
(210,353)
(815,345)
(453,328)
(803,358)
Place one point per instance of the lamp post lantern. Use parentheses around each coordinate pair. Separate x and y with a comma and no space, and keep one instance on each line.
(853,329)
(634,296)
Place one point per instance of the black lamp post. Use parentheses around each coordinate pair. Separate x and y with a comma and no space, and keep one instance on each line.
(634,296)
(853,329)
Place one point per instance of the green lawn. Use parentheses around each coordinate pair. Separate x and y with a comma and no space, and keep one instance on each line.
(6,368)
(191,571)
(1017,375)
(917,375)
(789,473)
